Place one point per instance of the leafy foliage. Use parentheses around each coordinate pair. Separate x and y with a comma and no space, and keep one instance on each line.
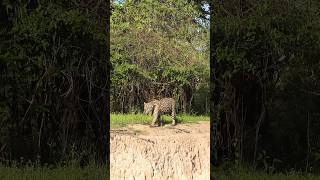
(157,49)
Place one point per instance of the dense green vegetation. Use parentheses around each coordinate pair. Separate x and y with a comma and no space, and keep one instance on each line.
(53,80)
(159,49)
(120,120)
(265,73)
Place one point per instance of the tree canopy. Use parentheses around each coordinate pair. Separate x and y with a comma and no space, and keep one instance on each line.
(158,48)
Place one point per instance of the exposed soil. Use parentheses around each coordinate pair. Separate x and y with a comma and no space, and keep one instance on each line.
(169,152)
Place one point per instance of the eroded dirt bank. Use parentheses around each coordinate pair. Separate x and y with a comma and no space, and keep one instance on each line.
(180,152)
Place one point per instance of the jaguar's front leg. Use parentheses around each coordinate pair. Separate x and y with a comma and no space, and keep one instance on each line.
(161,122)
(155,117)
(173,116)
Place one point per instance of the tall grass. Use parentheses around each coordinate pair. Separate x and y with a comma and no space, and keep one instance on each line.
(31,172)
(244,173)
(73,166)
(120,120)
(265,176)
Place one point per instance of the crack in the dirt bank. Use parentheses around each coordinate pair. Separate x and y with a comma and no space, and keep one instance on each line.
(146,140)
(179,130)
(131,136)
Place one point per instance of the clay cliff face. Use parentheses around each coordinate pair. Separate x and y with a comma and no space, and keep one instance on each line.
(180,152)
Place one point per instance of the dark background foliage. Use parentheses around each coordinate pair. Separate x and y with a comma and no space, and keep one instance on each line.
(54,80)
(265,83)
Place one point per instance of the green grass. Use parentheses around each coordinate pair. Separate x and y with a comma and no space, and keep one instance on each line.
(246,174)
(121,120)
(265,176)
(57,173)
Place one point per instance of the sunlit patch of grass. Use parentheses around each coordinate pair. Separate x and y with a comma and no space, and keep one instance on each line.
(121,120)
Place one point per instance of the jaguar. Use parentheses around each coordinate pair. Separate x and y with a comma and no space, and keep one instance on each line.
(161,107)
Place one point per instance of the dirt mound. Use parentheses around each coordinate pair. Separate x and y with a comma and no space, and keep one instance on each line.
(179,152)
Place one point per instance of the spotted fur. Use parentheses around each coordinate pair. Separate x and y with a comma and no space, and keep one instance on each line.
(160,107)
